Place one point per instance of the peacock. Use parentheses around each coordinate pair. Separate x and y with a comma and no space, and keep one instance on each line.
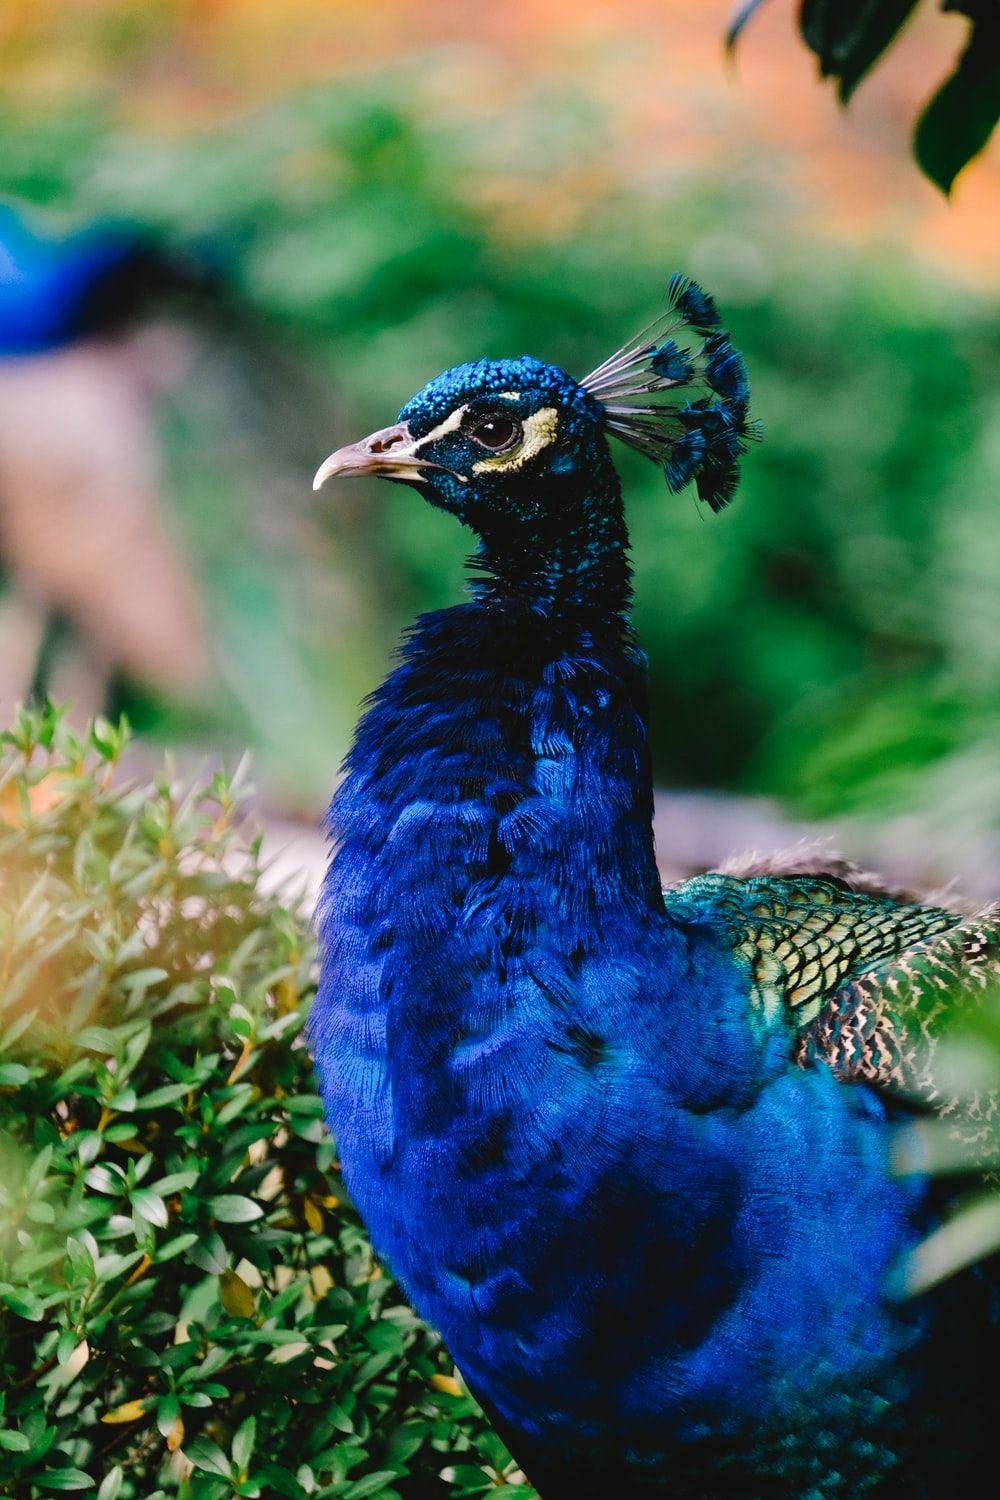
(633,1152)
(95,576)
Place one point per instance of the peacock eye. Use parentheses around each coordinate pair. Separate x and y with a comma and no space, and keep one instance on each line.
(496,432)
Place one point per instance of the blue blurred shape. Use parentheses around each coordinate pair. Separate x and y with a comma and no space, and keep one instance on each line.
(53,291)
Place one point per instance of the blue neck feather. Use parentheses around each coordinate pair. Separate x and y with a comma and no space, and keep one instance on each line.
(566,559)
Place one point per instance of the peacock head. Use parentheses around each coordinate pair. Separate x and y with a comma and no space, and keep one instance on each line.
(510,442)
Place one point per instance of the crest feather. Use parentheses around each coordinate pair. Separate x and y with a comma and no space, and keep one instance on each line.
(679,393)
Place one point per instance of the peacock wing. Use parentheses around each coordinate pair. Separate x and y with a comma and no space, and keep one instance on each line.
(867,978)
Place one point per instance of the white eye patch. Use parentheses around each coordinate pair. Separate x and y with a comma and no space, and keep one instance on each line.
(451,423)
(454,420)
(539,431)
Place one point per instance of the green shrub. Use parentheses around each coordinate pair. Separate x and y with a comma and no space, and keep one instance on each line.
(187,1305)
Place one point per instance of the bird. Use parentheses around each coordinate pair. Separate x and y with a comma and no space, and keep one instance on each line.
(54,290)
(100,586)
(633,1152)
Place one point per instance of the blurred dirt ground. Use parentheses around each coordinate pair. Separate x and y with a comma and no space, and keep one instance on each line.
(698,831)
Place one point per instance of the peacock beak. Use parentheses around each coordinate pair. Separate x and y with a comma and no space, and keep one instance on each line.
(390,452)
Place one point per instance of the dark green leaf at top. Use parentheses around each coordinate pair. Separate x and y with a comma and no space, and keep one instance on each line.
(961,117)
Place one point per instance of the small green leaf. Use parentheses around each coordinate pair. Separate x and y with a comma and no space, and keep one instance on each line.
(14,1075)
(471,1479)
(370,1484)
(25,1304)
(65,1479)
(174,1182)
(98,1038)
(159,1098)
(231,1208)
(88,1144)
(305,1104)
(151,1207)
(105,1179)
(175,1246)
(167,1412)
(338,1417)
(209,1253)
(281,1482)
(38,1170)
(80,1252)
(243,1443)
(111,1484)
(206,1455)
(142,979)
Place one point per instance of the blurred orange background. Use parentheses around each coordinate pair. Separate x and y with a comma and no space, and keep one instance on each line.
(678,107)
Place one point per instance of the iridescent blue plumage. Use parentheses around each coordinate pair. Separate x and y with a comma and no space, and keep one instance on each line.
(50,289)
(568,1109)
(91,282)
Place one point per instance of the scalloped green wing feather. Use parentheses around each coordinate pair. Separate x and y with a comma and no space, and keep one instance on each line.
(803,936)
(867,979)
(885,1024)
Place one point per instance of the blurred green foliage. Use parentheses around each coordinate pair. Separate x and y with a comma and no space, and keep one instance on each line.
(834,637)
(187,1305)
(962,1142)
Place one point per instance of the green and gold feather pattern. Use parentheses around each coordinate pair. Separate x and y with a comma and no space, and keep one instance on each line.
(868,978)
(803,936)
(884,1025)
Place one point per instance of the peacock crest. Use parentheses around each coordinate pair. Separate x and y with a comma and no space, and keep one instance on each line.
(678,391)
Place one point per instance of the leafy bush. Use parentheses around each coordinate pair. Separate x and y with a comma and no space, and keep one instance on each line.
(187,1305)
